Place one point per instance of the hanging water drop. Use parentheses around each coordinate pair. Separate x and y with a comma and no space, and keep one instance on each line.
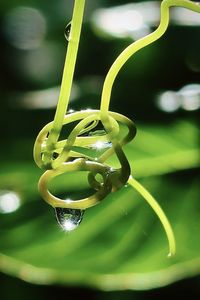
(69,219)
(67,31)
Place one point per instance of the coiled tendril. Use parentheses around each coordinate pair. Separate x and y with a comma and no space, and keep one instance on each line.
(59,156)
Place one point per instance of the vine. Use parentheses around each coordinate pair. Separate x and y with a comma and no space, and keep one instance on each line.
(59,156)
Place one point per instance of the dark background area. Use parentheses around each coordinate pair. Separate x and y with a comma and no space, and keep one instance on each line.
(16,289)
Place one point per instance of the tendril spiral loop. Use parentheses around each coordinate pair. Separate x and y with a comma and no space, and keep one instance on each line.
(66,156)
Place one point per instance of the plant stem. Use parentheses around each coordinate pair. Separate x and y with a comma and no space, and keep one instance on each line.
(159,212)
(136,46)
(68,73)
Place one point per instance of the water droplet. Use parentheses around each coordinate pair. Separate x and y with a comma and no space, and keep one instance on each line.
(67,31)
(69,219)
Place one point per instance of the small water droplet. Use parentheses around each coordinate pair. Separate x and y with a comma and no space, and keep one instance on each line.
(67,31)
(69,219)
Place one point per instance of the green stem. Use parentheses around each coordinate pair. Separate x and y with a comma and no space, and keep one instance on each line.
(136,46)
(68,73)
(159,212)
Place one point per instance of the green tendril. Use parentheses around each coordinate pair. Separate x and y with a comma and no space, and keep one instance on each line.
(159,212)
(59,156)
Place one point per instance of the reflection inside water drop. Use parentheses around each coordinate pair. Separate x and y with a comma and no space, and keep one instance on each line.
(67,31)
(69,219)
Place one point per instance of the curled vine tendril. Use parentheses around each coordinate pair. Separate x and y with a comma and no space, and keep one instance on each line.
(59,156)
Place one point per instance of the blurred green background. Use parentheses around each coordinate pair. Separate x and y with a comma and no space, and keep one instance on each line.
(120,250)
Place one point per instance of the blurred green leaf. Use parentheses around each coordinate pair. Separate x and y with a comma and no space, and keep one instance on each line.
(120,243)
